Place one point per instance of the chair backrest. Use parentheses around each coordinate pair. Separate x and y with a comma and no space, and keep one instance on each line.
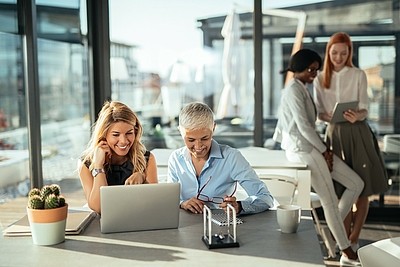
(391,143)
(282,187)
(382,253)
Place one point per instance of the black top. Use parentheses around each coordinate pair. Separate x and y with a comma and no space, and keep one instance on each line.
(117,174)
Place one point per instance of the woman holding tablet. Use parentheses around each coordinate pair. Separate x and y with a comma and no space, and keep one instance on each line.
(351,140)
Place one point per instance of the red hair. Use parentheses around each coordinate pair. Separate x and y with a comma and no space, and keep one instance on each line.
(339,37)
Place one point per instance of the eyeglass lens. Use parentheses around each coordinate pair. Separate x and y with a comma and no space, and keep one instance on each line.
(216,200)
(312,70)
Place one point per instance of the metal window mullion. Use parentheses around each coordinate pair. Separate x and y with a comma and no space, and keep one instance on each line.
(258,82)
(99,54)
(30,57)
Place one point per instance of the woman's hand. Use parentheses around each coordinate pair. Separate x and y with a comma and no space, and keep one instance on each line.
(328,155)
(102,152)
(194,205)
(233,202)
(351,115)
(135,178)
(325,116)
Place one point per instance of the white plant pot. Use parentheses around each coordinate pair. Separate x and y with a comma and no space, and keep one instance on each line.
(48,226)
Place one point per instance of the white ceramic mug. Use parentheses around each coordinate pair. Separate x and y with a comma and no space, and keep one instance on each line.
(288,217)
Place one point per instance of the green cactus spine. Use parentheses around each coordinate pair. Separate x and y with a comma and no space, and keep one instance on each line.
(35,202)
(34,192)
(61,201)
(46,191)
(51,202)
(55,188)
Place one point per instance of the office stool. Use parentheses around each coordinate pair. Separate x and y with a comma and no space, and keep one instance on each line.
(322,230)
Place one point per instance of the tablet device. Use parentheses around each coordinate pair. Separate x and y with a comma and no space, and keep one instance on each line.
(340,108)
(126,208)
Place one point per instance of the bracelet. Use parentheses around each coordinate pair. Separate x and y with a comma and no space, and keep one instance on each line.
(95,172)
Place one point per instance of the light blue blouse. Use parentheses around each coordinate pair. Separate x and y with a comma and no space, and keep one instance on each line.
(226,165)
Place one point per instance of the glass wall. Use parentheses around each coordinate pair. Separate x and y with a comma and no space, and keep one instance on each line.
(64,108)
(196,58)
(378,63)
(64,96)
(165,54)
(13,132)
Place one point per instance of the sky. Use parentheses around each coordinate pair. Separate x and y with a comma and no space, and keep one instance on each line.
(165,31)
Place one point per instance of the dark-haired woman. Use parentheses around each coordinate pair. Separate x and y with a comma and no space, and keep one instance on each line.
(302,143)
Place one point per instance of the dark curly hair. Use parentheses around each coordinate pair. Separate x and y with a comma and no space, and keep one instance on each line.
(302,59)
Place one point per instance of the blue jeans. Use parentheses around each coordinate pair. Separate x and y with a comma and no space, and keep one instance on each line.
(321,182)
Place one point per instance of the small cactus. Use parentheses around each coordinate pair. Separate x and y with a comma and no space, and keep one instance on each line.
(49,197)
(35,202)
(33,192)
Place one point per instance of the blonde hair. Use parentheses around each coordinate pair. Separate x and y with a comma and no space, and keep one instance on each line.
(339,37)
(113,112)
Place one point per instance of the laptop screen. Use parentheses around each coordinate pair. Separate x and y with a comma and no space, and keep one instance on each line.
(127,208)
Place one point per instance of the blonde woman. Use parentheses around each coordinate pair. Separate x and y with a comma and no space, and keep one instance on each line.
(115,155)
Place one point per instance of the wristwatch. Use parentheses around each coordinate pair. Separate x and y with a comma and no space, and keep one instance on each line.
(97,171)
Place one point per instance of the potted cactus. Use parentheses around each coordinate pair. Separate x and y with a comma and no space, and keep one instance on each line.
(47,213)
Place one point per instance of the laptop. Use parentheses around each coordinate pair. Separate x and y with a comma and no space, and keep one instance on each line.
(127,208)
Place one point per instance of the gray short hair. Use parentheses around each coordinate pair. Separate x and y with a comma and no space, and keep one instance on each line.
(196,116)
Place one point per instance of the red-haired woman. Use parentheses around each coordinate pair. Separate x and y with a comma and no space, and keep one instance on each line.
(352,140)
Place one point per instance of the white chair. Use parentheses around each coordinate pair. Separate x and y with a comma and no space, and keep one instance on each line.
(383,253)
(282,187)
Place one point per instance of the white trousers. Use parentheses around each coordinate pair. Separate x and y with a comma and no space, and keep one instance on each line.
(321,182)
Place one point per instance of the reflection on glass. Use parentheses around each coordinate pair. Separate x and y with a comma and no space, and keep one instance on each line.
(64,101)
(64,107)
(14,166)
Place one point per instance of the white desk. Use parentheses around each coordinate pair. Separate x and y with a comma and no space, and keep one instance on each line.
(263,161)
(275,162)
(261,244)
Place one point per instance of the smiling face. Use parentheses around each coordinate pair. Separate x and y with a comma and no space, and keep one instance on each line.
(197,141)
(120,138)
(338,54)
(308,75)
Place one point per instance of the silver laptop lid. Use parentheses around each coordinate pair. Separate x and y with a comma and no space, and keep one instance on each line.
(139,207)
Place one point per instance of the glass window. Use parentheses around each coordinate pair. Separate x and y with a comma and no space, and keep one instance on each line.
(64,107)
(64,99)
(8,16)
(181,58)
(14,155)
(378,63)
(165,54)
